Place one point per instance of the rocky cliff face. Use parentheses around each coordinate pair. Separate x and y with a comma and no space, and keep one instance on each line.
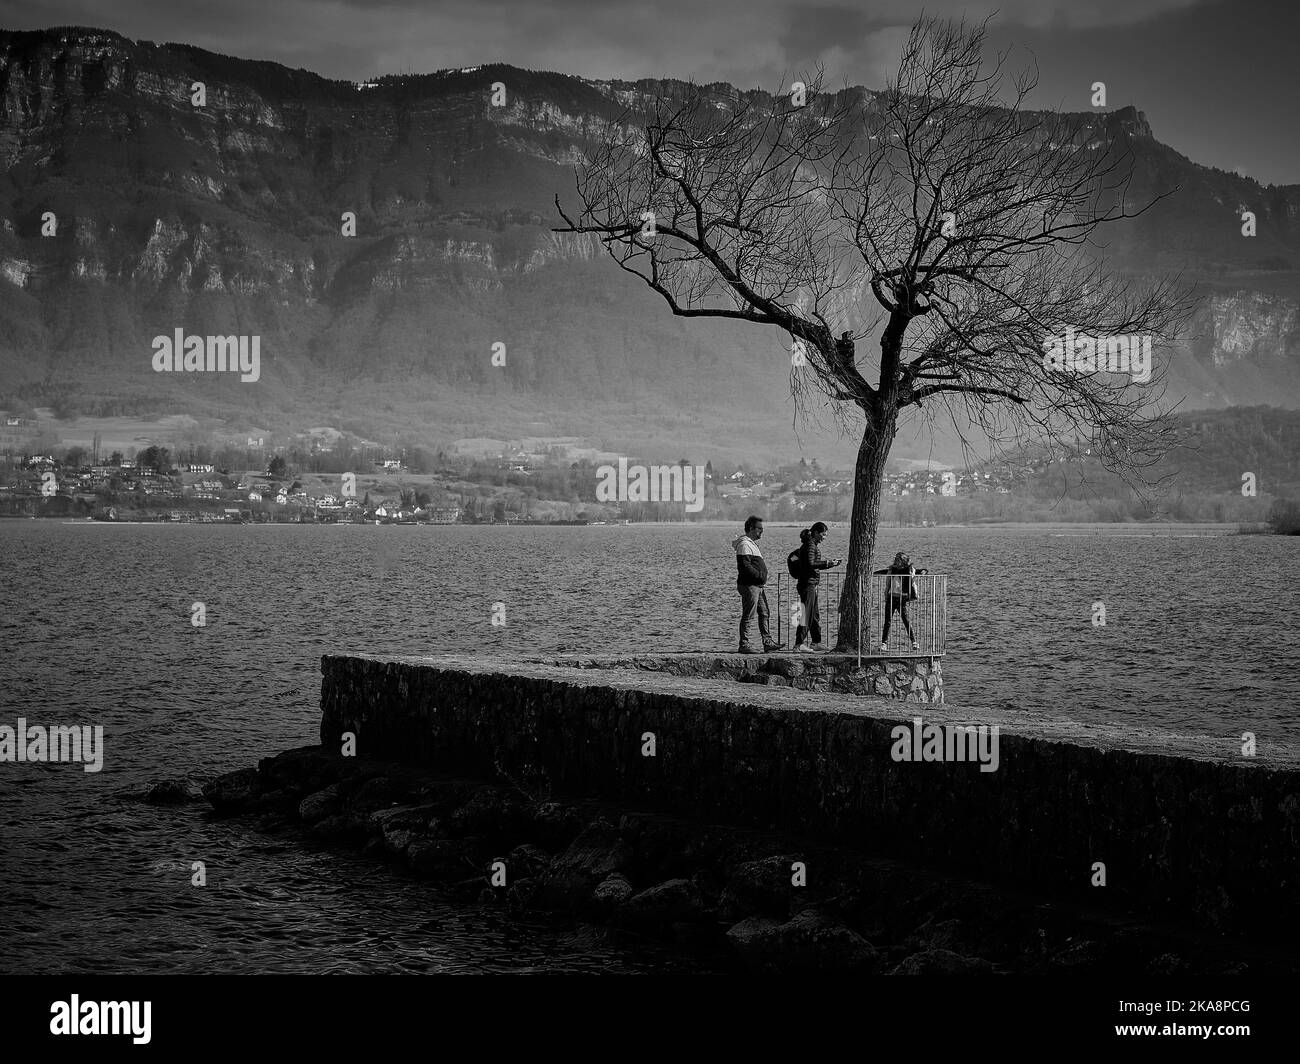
(231,215)
(1249,326)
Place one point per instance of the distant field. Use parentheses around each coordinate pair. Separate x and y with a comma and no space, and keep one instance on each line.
(122,433)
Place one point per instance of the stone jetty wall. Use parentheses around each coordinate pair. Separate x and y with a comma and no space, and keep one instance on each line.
(910,679)
(1210,839)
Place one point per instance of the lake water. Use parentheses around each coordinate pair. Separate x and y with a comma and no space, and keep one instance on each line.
(95,629)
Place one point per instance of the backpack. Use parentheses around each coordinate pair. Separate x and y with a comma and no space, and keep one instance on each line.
(794,563)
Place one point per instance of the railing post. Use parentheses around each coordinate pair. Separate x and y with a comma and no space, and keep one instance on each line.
(779,637)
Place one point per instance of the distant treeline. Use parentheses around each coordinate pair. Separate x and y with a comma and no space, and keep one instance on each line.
(1185,507)
(1284,518)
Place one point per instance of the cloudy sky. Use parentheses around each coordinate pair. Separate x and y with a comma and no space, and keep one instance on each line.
(1217,79)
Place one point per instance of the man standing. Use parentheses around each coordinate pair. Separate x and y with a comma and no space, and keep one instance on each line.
(751,575)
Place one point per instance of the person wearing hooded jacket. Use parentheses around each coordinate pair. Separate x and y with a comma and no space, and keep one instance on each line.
(751,576)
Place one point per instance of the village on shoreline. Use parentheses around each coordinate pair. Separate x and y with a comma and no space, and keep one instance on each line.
(556,485)
(328,477)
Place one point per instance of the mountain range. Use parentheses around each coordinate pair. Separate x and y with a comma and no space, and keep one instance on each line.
(228,218)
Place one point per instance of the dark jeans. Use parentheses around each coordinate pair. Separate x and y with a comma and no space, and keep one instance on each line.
(892,603)
(753,600)
(812,623)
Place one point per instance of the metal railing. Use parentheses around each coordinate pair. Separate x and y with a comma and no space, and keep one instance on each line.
(889,598)
(922,597)
(789,609)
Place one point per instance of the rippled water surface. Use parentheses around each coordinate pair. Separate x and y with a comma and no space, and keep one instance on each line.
(95,629)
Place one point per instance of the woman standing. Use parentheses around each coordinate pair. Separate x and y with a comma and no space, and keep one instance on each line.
(808,583)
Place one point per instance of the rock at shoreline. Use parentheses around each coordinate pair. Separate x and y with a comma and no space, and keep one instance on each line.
(613,890)
(324,803)
(554,825)
(671,902)
(305,770)
(526,861)
(571,878)
(489,812)
(809,942)
(420,820)
(235,792)
(377,793)
(762,886)
(588,859)
(173,792)
(344,828)
(942,962)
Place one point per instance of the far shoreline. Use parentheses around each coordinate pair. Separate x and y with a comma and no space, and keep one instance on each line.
(1131,528)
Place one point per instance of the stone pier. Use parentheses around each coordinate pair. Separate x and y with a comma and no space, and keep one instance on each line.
(1184,829)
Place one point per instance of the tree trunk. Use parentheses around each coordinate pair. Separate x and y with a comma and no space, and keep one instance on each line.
(868,474)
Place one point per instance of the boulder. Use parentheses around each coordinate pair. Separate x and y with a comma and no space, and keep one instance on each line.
(595,853)
(235,792)
(419,820)
(810,942)
(341,828)
(762,886)
(305,770)
(937,934)
(612,891)
(942,962)
(377,793)
(324,803)
(526,861)
(489,812)
(569,880)
(753,937)
(673,901)
(395,841)
(554,825)
(173,792)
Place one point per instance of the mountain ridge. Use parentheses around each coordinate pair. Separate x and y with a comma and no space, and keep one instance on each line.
(227,219)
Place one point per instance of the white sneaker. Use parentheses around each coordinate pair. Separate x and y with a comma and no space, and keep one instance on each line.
(884,647)
(916,646)
(805,648)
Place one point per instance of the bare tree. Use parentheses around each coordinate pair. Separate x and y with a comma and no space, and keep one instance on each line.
(939,216)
